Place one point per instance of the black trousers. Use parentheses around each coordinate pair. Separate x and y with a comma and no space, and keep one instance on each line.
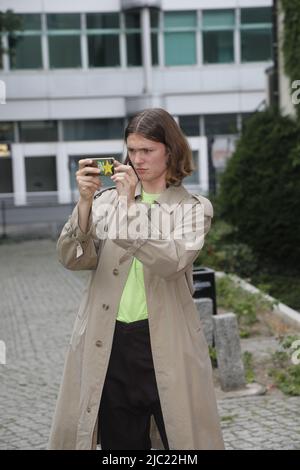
(130,394)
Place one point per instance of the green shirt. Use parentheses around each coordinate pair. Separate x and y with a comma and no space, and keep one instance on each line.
(133,304)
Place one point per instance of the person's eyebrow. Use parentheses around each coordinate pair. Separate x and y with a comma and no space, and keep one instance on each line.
(142,148)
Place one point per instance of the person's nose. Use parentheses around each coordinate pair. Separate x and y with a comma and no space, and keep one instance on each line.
(138,158)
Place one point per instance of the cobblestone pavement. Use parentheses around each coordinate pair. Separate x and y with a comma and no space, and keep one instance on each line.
(38,304)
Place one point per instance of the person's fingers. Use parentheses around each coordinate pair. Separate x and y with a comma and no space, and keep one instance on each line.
(87,178)
(84,162)
(93,179)
(122,174)
(88,170)
(88,186)
(120,177)
(87,182)
(119,180)
(123,168)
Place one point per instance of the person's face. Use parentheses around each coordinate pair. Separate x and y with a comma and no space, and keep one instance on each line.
(149,158)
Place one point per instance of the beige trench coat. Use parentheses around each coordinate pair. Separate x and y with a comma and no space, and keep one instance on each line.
(180,353)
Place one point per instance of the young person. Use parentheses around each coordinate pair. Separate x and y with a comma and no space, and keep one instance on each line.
(138,373)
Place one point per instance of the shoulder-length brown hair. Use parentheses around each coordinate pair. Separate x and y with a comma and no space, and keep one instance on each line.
(158,125)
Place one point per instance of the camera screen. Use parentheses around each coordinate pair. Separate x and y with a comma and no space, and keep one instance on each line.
(105,165)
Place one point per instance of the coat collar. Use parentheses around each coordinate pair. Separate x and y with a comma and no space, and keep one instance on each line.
(169,198)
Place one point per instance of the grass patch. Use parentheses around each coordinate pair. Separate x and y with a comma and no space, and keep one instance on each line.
(213,356)
(244,304)
(286,370)
(228,418)
(222,251)
(248,365)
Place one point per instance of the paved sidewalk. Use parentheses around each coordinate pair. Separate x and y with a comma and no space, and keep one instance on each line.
(38,305)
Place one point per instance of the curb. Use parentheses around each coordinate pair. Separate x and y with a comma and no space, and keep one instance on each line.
(252,389)
(286,313)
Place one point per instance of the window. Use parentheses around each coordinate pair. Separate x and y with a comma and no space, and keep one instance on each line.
(220,124)
(180,37)
(190,125)
(194,177)
(250,16)
(256,34)
(6,180)
(64,40)
(40,174)
(93,129)
(133,38)
(218,36)
(38,131)
(7,132)
(154,19)
(1,48)
(103,30)
(25,47)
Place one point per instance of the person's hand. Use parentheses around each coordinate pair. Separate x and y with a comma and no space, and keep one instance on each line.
(87,185)
(125,179)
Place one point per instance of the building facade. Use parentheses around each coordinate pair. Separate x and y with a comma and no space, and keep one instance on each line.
(81,68)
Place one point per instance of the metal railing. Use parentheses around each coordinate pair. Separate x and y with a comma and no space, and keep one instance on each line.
(39,214)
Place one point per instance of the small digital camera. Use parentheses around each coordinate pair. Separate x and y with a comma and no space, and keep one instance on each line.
(105,165)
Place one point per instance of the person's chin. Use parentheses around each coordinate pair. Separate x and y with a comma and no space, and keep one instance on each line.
(144,177)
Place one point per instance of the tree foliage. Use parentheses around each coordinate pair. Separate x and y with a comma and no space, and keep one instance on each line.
(10,23)
(291,40)
(260,189)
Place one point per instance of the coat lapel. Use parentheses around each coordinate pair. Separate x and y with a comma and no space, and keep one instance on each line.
(167,200)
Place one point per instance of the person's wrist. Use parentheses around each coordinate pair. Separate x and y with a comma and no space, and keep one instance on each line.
(130,201)
(131,195)
(85,202)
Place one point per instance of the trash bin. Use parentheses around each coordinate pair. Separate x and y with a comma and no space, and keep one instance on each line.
(205,286)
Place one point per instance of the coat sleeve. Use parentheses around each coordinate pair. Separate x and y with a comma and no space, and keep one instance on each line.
(77,250)
(169,256)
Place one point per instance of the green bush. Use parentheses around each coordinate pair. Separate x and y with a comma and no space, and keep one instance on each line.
(244,304)
(223,252)
(260,189)
(286,375)
(285,288)
(213,356)
(248,365)
(291,40)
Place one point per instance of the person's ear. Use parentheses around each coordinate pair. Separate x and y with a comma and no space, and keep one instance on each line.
(168,154)
(168,161)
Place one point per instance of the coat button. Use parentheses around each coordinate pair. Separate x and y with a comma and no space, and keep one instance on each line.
(105,306)
(98,343)
(115,271)
(88,409)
